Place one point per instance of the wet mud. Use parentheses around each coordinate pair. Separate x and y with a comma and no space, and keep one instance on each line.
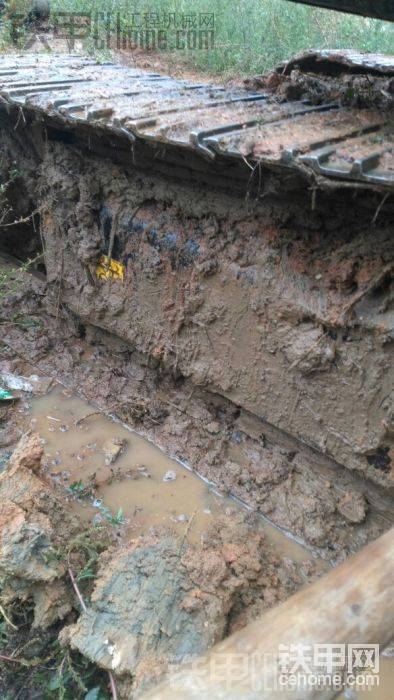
(223,412)
(273,314)
(165,589)
(105,466)
(331,76)
(230,448)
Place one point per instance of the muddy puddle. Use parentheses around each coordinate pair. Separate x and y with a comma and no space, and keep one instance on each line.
(110,472)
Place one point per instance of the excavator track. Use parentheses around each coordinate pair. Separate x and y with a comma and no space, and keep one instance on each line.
(328,144)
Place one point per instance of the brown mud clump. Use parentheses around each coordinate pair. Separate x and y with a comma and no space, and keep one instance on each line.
(160,600)
(34,526)
(330,76)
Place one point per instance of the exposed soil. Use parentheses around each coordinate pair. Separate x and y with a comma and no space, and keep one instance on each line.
(166,63)
(353,90)
(179,596)
(231,448)
(330,77)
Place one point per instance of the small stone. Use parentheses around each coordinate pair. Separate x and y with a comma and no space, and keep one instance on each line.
(213,427)
(182,518)
(353,507)
(169,476)
(112,449)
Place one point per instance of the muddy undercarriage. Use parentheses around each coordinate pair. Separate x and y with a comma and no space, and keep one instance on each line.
(281,306)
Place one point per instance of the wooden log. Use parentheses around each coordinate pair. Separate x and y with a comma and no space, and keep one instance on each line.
(352,604)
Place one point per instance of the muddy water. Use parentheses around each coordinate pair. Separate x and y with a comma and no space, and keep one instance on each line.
(76,439)
(140,481)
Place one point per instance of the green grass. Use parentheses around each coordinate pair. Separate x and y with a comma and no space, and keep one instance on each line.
(252,36)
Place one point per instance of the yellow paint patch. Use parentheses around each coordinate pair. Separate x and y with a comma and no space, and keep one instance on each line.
(110,269)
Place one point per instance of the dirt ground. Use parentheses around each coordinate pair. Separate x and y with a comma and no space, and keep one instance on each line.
(178,596)
(166,64)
